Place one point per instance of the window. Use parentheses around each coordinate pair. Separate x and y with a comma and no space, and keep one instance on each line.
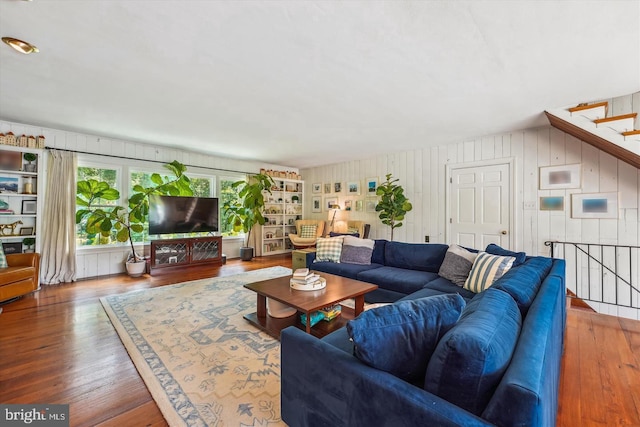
(227,194)
(99,173)
(203,185)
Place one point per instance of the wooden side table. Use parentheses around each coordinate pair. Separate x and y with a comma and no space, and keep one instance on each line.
(299,258)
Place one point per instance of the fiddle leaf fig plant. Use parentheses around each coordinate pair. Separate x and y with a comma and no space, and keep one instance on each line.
(125,220)
(246,211)
(393,204)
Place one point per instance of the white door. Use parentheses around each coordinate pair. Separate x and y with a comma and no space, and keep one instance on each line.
(480,205)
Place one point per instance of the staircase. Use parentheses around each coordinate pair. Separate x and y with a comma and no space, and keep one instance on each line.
(604,278)
(616,135)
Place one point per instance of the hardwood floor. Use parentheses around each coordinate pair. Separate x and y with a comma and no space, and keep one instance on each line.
(58,346)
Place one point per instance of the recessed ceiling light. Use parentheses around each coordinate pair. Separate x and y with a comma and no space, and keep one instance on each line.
(20,46)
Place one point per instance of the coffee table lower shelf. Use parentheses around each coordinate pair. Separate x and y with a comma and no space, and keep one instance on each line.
(273,325)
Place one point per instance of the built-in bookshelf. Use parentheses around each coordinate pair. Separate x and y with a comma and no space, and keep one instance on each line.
(282,208)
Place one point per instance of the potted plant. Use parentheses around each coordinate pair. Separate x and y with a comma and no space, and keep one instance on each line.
(130,219)
(246,211)
(30,157)
(393,204)
(29,242)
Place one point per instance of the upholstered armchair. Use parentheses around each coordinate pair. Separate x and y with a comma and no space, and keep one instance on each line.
(21,276)
(351,227)
(307,233)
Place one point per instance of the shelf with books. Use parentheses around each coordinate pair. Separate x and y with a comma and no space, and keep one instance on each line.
(283,206)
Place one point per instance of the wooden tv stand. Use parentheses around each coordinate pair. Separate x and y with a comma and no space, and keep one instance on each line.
(181,253)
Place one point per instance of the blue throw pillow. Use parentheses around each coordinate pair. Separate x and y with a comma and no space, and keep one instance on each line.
(494,249)
(471,357)
(400,338)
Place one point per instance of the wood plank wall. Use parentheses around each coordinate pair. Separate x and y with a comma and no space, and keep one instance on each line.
(422,173)
(93,262)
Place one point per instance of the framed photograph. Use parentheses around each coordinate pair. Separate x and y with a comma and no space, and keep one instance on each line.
(558,177)
(8,184)
(370,205)
(372,186)
(330,201)
(337,187)
(29,207)
(316,204)
(12,248)
(359,205)
(594,205)
(348,205)
(316,187)
(552,203)
(353,188)
(327,188)
(26,231)
(10,160)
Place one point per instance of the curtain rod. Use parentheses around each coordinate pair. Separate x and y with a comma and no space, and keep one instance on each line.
(143,160)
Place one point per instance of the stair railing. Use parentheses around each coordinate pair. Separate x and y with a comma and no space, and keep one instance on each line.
(601,273)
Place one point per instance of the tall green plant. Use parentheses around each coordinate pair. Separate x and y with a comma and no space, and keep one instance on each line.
(246,211)
(129,219)
(393,204)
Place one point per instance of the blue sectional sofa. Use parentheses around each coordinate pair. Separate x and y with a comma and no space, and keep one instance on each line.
(498,364)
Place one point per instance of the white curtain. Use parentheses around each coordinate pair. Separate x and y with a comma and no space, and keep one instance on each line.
(59,227)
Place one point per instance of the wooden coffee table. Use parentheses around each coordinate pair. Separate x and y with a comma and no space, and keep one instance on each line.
(338,289)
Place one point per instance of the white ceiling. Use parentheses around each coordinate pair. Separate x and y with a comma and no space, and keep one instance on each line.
(306,83)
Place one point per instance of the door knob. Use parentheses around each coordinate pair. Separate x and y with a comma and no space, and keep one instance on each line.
(503,232)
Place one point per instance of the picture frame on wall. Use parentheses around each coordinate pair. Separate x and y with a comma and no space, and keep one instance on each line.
(316,204)
(337,187)
(372,186)
(327,188)
(359,205)
(316,187)
(370,204)
(594,205)
(330,201)
(353,188)
(554,203)
(348,205)
(560,177)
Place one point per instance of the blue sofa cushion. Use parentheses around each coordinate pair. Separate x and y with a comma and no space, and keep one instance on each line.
(345,270)
(443,285)
(471,357)
(523,282)
(377,257)
(397,279)
(415,256)
(400,338)
(494,249)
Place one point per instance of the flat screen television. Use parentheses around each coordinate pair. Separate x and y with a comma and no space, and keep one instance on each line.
(174,214)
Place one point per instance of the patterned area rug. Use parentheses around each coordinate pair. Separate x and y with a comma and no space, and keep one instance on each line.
(202,362)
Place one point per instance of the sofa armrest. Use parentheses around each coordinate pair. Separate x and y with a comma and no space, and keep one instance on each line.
(24,260)
(311,256)
(323,385)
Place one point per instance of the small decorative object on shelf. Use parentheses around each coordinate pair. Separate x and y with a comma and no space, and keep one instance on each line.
(281,174)
(30,166)
(26,141)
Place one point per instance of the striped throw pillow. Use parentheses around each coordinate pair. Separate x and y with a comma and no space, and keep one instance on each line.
(3,259)
(328,249)
(308,231)
(487,269)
